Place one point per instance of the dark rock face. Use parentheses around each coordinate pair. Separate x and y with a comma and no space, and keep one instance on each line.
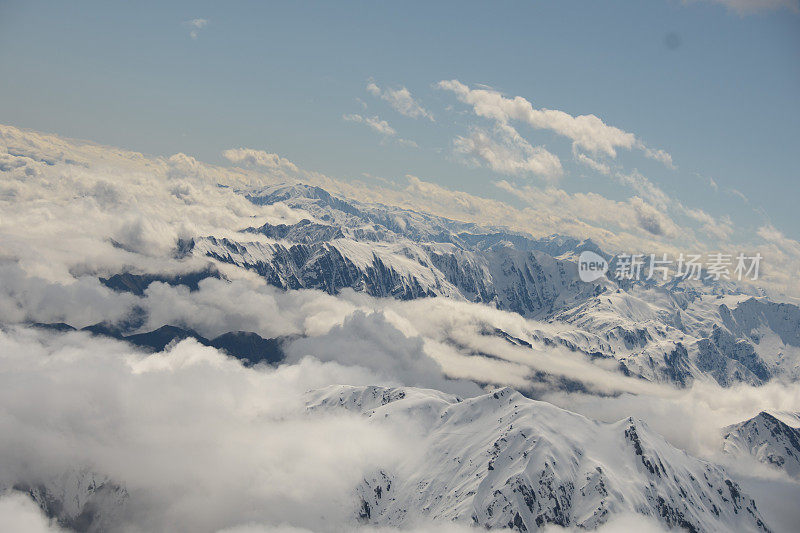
(305,232)
(783,319)
(250,347)
(160,338)
(741,351)
(138,283)
(247,346)
(105,329)
(55,326)
(318,266)
(729,360)
(527,282)
(677,365)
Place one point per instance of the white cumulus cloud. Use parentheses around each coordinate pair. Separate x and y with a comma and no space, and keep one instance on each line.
(508,153)
(258,158)
(587,132)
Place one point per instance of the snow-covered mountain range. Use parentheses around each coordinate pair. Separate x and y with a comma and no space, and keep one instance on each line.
(503,460)
(400,253)
(224,354)
(671,332)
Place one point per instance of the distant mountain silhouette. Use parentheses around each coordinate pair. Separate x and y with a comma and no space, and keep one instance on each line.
(246,346)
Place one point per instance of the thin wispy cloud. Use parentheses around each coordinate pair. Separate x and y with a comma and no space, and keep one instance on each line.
(378,125)
(749,7)
(401,101)
(597,166)
(195,25)
(375,123)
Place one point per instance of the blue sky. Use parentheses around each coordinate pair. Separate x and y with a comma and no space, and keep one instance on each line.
(714,84)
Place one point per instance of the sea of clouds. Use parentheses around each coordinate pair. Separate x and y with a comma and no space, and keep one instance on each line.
(200,442)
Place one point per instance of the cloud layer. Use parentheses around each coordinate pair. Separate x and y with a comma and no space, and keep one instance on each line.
(202,443)
(587,132)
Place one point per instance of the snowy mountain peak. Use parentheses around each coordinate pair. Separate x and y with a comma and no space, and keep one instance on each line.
(503,460)
(772,439)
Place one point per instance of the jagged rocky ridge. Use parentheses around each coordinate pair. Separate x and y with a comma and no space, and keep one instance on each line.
(677,335)
(773,439)
(503,460)
(394,252)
